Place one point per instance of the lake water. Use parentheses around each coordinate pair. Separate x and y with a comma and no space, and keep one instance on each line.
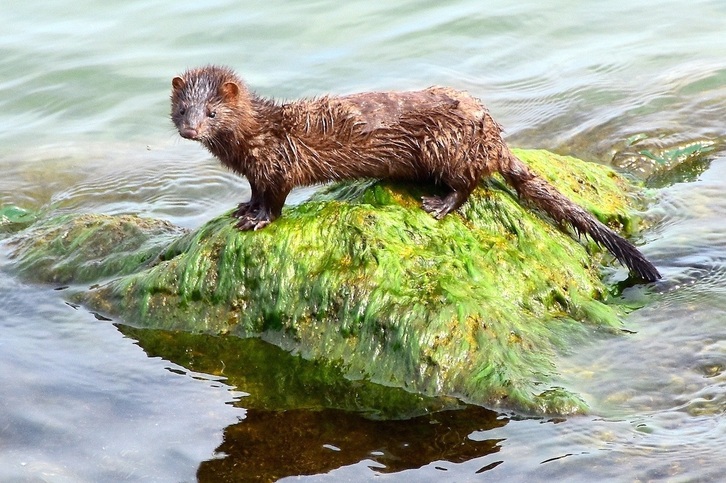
(84,127)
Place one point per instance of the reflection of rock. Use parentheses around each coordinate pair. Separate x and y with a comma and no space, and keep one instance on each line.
(473,306)
(269,445)
(277,380)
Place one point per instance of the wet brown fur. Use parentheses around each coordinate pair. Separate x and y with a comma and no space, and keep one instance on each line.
(438,135)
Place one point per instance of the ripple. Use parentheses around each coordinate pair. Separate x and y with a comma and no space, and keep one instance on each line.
(84,91)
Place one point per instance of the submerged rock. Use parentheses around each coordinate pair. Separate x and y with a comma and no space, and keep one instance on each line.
(88,248)
(475,306)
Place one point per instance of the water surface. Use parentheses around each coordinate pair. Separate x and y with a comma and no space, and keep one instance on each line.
(84,127)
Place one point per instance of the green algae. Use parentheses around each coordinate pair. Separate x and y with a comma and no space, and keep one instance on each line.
(14,218)
(475,306)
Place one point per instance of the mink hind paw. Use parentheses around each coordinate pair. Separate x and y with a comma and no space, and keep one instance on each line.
(437,206)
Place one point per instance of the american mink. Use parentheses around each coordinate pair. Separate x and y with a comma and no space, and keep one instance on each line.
(437,135)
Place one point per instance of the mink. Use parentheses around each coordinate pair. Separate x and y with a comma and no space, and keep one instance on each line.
(440,135)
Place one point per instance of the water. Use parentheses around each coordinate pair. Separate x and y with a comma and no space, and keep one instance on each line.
(84,127)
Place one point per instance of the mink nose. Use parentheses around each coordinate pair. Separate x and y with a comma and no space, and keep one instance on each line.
(188,133)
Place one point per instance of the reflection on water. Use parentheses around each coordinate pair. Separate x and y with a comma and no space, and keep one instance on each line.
(84,128)
(309,443)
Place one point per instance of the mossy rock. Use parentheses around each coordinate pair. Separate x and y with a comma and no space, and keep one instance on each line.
(474,306)
(88,248)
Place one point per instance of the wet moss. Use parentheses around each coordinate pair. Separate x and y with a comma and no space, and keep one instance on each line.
(474,306)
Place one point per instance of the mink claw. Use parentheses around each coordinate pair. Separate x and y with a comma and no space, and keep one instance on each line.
(252,221)
(245,224)
(261,224)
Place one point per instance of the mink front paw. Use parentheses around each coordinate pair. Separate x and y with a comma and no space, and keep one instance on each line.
(253,219)
(251,223)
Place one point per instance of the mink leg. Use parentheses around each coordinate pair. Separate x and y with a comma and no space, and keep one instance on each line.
(260,211)
(242,209)
(247,206)
(440,206)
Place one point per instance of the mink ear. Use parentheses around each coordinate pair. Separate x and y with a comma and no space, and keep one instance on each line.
(229,91)
(177,83)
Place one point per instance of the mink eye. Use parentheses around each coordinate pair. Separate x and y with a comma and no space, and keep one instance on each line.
(183,111)
(212,114)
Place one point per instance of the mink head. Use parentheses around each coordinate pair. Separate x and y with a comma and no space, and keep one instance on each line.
(208,102)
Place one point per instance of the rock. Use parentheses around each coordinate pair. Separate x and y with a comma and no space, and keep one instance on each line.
(475,306)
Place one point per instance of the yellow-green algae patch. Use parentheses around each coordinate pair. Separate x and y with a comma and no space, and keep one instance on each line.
(474,306)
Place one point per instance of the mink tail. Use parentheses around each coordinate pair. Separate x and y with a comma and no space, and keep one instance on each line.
(543,195)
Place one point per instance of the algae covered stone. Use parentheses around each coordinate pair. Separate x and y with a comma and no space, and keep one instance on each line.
(474,306)
(88,248)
